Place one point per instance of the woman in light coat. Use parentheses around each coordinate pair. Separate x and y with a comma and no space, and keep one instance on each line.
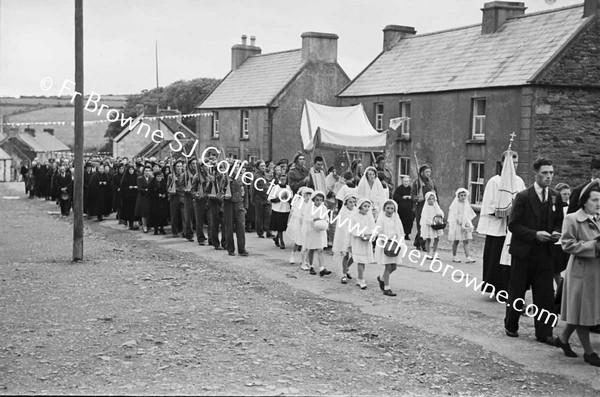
(581,288)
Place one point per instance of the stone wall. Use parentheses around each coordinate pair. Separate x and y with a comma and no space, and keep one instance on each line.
(579,64)
(567,130)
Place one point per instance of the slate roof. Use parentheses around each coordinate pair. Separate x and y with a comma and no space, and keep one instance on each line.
(43,142)
(257,82)
(464,58)
(4,155)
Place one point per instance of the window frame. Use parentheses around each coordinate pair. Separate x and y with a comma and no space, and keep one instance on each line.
(405,127)
(245,124)
(478,119)
(480,182)
(379,116)
(215,125)
(400,160)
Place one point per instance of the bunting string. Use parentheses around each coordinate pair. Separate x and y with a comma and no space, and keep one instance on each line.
(91,122)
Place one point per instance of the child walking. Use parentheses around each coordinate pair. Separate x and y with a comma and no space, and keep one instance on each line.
(390,228)
(295,224)
(342,247)
(431,211)
(460,220)
(315,236)
(363,228)
(280,197)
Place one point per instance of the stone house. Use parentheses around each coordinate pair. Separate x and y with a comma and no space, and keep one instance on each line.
(460,93)
(257,108)
(30,144)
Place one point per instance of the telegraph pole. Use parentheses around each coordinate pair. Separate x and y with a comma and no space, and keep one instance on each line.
(78,146)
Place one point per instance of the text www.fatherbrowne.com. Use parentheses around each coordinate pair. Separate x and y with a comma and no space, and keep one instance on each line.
(436,266)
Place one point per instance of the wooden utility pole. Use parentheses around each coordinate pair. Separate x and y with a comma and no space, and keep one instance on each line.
(78,146)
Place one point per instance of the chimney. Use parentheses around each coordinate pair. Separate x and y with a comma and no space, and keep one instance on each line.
(392,34)
(496,12)
(49,130)
(240,52)
(30,131)
(319,47)
(591,8)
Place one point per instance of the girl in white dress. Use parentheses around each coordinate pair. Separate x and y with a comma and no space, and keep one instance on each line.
(294,229)
(363,230)
(370,187)
(316,238)
(389,228)
(460,223)
(431,211)
(342,246)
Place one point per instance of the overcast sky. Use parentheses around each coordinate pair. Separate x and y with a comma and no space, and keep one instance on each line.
(195,36)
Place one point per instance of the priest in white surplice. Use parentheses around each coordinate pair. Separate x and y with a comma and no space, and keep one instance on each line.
(493,221)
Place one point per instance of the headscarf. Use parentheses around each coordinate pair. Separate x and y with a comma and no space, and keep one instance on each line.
(430,211)
(395,219)
(508,186)
(594,183)
(376,194)
(315,194)
(467,212)
(363,200)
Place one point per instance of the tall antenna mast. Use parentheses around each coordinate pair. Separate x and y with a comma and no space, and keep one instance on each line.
(156,58)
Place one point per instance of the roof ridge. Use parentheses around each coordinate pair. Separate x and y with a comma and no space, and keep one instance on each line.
(274,53)
(479,24)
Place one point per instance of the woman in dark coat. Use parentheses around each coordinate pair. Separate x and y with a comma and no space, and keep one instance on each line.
(99,194)
(159,204)
(115,184)
(142,204)
(129,194)
(87,177)
(403,198)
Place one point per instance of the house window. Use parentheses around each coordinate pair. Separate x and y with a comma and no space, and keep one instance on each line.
(252,158)
(405,116)
(233,153)
(403,168)
(478,120)
(245,126)
(476,181)
(215,124)
(379,116)
(355,156)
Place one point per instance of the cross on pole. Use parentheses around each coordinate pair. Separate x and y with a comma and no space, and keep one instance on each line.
(512,138)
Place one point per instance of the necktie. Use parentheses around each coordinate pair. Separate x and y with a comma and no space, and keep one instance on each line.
(543,195)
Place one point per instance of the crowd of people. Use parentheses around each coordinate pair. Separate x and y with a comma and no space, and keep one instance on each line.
(532,235)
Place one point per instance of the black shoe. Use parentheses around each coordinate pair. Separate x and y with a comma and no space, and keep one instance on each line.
(270,235)
(232,254)
(190,239)
(312,271)
(406,237)
(245,253)
(348,276)
(512,334)
(202,241)
(592,359)
(328,248)
(282,246)
(381,284)
(261,236)
(566,348)
(595,329)
(276,240)
(549,340)
(324,272)
(162,231)
(218,248)
(389,292)
(156,232)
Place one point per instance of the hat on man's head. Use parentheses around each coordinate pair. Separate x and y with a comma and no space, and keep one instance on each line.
(298,154)
(595,163)
(424,167)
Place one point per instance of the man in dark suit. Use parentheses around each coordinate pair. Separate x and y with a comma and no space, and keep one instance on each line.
(535,223)
(574,199)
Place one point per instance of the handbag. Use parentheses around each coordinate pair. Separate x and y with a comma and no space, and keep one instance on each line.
(64,196)
(391,248)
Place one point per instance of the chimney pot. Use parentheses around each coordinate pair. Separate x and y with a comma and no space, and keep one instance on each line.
(252,40)
(392,34)
(240,52)
(591,8)
(319,47)
(495,13)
